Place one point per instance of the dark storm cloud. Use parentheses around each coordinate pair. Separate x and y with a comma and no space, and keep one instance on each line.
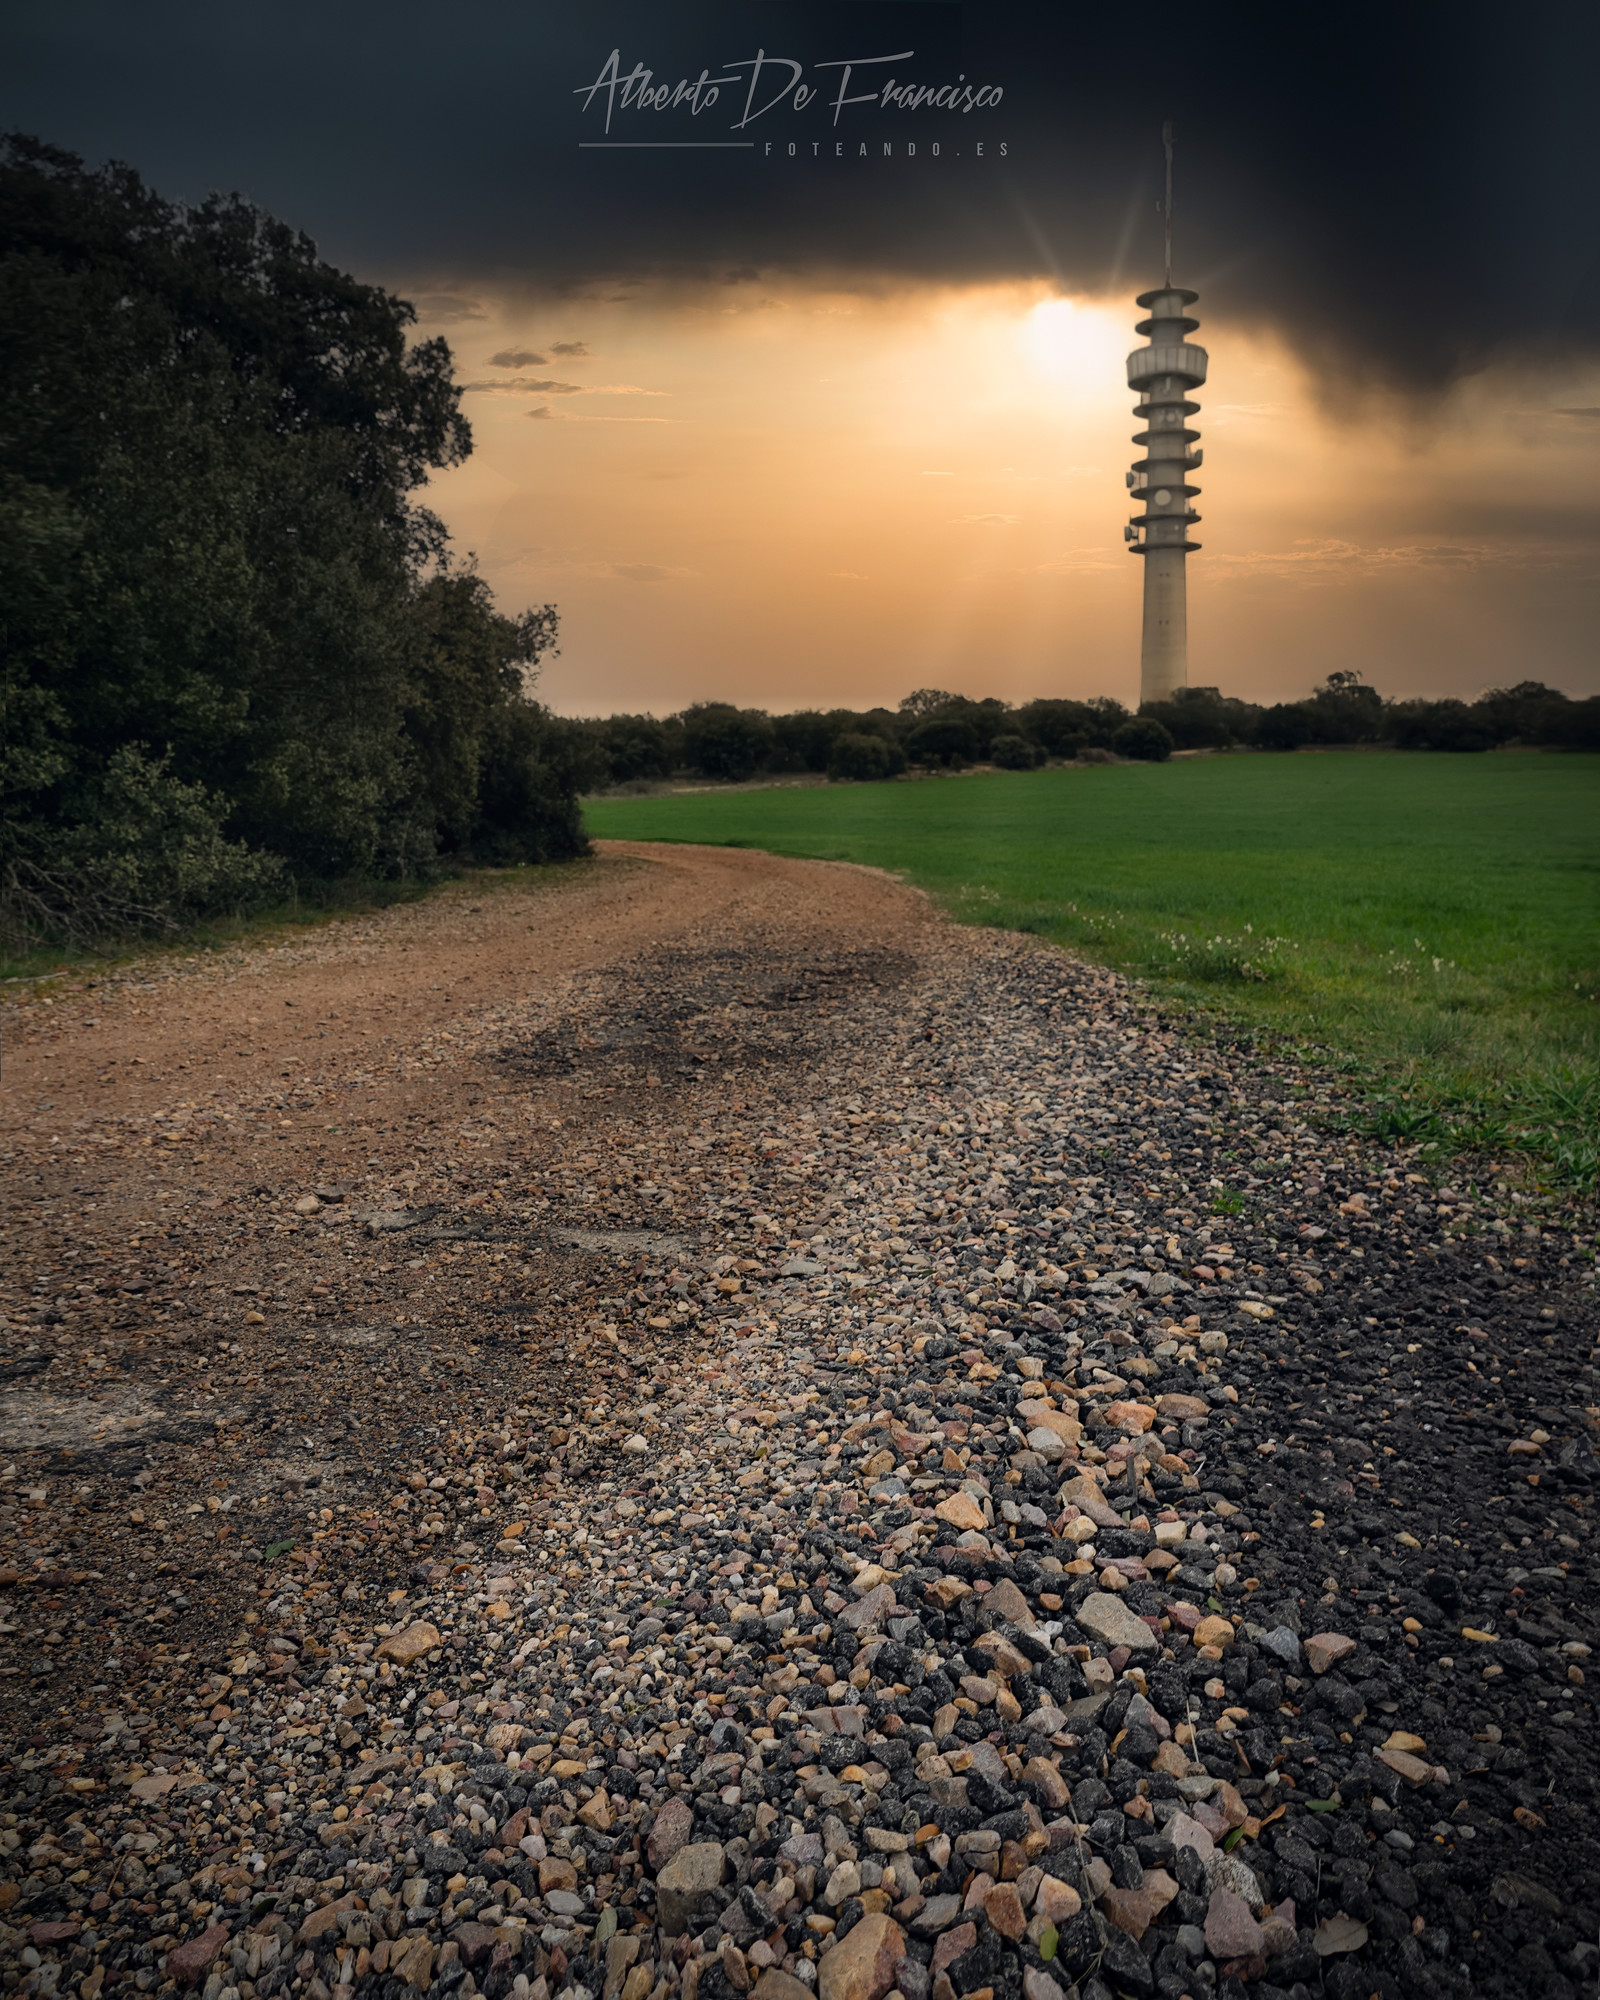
(1407,192)
(518,357)
(575,350)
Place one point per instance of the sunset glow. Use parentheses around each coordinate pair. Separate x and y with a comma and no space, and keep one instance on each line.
(803,495)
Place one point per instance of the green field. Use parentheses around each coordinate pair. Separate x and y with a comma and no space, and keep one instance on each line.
(1433,922)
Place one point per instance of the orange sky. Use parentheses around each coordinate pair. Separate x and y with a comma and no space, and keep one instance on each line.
(789,497)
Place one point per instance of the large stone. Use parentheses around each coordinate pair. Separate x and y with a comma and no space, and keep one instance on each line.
(1327,1649)
(1004,1658)
(1003,1907)
(1108,1619)
(843,1883)
(1012,1606)
(1086,1496)
(1045,1442)
(951,1946)
(960,1511)
(1412,1769)
(862,1966)
(319,1922)
(776,1985)
(1057,1901)
(1131,1910)
(411,1644)
(670,1833)
(1133,1417)
(1049,1787)
(476,1941)
(411,1962)
(1037,1985)
(1231,1931)
(684,1886)
(1179,1409)
(946,1591)
(868,1613)
(1183,1831)
(1214,1631)
(193,1960)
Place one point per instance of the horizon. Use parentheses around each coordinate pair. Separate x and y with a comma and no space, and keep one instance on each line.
(806,430)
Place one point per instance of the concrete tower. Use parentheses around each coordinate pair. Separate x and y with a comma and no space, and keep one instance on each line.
(1164,373)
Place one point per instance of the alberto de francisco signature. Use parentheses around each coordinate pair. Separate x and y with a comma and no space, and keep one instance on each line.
(763,83)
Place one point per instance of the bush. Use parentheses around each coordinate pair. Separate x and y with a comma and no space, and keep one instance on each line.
(237,652)
(943,739)
(1287,725)
(721,741)
(1143,739)
(1202,718)
(862,758)
(635,748)
(1441,725)
(1062,728)
(1015,753)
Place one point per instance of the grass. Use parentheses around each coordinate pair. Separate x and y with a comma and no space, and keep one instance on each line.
(1433,921)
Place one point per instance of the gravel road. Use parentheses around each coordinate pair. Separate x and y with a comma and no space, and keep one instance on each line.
(695,1430)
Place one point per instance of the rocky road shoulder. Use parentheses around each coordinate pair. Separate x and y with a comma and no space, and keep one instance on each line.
(868,1465)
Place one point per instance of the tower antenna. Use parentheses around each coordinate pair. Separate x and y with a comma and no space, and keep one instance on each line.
(1166,141)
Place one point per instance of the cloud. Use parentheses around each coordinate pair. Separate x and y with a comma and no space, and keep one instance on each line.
(517,357)
(1078,562)
(1575,413)
(538,385)
(635,572)
(1336,179)
(445,309)
(994,520)
(1334,558)
(575,350)
(545,414)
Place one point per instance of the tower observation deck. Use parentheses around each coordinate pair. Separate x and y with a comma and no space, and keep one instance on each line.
(1164,373)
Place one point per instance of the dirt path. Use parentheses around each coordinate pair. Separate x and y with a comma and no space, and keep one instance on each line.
(701,1354)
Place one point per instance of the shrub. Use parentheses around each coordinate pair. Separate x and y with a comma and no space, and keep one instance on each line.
(721,741)
(1062,728)
(237,652)
(943,739)
(861,758)
(1287,725)
(635,747)
(1441,725)
(1143,739)
(1015,753)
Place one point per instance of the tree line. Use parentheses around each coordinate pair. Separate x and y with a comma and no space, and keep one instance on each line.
(934,730)
(237,655)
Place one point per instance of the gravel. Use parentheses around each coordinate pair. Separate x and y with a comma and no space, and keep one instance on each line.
(875,1462)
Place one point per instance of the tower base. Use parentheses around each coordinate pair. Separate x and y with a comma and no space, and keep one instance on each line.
(1164,655)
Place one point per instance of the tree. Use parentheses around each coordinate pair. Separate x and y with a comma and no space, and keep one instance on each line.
(218,596)
(1143,739)
(945,739)
(923,702)
(722,741)
(1287,725)
(1015,753)
(861,757)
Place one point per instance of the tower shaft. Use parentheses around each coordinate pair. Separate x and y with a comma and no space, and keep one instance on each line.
(1164,653)
(1164,373)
